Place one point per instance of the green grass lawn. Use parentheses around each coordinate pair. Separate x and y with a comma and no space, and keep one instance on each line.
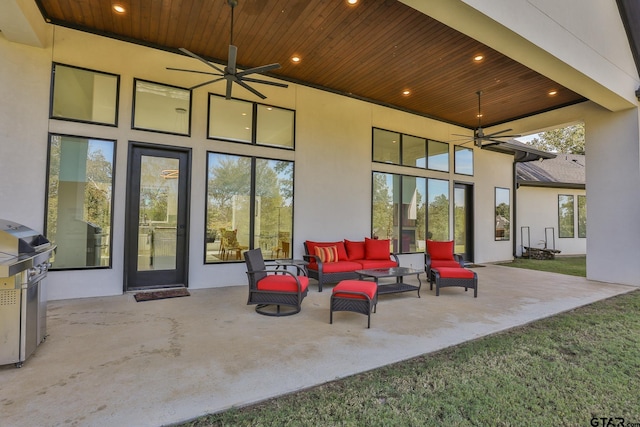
(574,266)
(572,369)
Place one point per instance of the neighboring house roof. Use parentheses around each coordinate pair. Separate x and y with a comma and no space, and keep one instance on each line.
(566,171)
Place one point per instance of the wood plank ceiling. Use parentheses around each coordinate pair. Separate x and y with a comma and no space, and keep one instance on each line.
(374,50)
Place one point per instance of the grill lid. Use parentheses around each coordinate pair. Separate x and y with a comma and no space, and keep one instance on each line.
(16,239)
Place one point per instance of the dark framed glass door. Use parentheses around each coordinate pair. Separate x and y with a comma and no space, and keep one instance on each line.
(463,220)
(156,223)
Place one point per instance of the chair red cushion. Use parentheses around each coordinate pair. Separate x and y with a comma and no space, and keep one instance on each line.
(376,249)
(440,250)
(454,273)
(282,283)
(445,263)
(355,250)
(342,252)
(327,253)
(366,287)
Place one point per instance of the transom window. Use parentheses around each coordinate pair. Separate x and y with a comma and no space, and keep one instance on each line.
(407,150)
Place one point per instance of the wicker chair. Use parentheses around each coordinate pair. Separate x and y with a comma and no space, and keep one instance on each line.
(440,254)
(271,288)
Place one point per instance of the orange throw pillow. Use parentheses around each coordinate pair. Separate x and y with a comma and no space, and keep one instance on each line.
(327,253)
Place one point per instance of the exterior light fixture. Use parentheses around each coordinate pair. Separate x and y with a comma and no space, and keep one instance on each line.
(406,92)
(296,59)
(118,8)
(553,92)
(352,2)
(478,58)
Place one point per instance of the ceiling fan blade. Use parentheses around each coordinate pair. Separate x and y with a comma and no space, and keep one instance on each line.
(458,134)
(261,69)
(206,83)
(229,86)
(193,55)
(250,89)
(264,82)
(491,135)
(194,71)
(233,56)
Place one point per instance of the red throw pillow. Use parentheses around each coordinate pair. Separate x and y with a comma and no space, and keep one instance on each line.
(342,252)
(376,249)
(355,250)
(440,250)
(327,253)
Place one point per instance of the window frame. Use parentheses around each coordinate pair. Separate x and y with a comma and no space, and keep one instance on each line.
(252,197)
(456,150)
(582,232)
(116,95)
(507,230)
(111,205)
(135,105)
(254,124)
(573,217)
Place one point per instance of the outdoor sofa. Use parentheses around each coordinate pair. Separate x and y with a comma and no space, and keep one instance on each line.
(336,261)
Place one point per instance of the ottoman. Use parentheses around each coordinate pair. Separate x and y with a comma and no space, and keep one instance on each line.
(358,296)
(454,276)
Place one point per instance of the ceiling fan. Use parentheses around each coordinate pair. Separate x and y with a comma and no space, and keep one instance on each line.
(230,73)
(479,138)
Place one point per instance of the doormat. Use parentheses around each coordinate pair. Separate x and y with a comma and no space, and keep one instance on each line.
(169,293)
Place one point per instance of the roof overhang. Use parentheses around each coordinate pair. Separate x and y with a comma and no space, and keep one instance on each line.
(520,152)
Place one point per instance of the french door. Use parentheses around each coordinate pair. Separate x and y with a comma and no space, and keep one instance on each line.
(463,221)
(156,223)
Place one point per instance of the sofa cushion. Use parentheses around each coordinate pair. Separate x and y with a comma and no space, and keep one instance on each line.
(327,253)
(376,249)
(282,283)
(438,263)
(355,250)
(440,250)
(376,263)
(336,267)
(342,252)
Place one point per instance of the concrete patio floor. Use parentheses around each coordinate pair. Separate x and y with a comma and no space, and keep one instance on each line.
(112,361)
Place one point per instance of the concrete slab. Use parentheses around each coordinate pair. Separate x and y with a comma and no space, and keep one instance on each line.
(113,361)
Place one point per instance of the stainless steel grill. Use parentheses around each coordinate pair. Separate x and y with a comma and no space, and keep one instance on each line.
(24,262)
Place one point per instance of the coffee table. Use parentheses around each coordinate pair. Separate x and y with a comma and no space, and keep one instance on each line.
(398,272)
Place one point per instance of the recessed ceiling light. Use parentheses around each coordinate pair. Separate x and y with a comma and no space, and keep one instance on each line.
(352,2)
(296,59)
(478,58)
(119,8)
(553,92)
(406,92)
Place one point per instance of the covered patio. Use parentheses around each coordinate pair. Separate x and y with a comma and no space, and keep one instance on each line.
(111,361)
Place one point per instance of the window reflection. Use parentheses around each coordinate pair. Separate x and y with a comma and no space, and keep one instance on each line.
(503,214)
(463,160)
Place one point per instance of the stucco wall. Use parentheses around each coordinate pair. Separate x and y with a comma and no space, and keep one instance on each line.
(332,158)
(538,209)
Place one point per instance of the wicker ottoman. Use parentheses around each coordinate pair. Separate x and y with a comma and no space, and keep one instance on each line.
(358,296)
(452,276)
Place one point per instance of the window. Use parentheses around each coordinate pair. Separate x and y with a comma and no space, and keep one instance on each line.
(161,108)
(247,122)
(503,214)
(84,95)
(386,146)
(582,216)
(399,210)
(438,156)
(79,201)
(438,210)
(249,205)
(414,151)
(463,160)
(565,216)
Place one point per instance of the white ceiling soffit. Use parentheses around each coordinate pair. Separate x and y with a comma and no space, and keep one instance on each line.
(22,22)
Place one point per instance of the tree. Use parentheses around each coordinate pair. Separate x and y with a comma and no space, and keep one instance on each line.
(568,140)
